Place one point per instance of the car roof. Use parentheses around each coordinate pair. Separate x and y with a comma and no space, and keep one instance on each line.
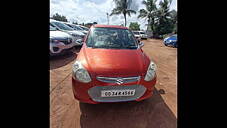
(137,31)
(108,26)
(66,23)
(83,26)
(51,20)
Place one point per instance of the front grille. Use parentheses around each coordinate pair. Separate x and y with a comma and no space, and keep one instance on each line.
(95,93)
(118,80)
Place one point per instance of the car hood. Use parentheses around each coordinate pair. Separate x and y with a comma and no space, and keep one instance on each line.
(115,62)
(77,33)
(172,38)
(59,34)
(85,32)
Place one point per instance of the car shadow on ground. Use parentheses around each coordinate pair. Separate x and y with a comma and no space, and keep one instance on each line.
(150,113)
(62,60)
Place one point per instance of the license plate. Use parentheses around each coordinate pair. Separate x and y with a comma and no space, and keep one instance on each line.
(114,93)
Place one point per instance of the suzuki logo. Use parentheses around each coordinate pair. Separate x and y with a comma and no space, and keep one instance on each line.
(119,81)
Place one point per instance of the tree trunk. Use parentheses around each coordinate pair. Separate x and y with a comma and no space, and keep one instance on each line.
(125,19)
(152,25)
(149,28)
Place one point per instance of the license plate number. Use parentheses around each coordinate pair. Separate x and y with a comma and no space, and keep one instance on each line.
(114,93)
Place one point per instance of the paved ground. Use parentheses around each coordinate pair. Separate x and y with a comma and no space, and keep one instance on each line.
(159,111)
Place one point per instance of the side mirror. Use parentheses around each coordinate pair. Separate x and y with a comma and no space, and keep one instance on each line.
(141,44)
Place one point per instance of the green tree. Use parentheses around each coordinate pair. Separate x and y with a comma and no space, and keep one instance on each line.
(59,17)
(82,24)
(123,7)
(75,23)
(163,24)
(149,13)
(173,15)
(134,26)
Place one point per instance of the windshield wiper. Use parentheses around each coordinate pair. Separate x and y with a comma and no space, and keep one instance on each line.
(131,47)
(100,47)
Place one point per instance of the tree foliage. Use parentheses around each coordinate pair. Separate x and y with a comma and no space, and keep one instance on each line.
(75,23)
(149,13)
(134,26)
(164,24)
(59,17)
(123,7)
(160,20)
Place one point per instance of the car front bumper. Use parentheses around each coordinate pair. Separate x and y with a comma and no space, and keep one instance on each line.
(144,37)
(57,48)
(90,92)
(172,43)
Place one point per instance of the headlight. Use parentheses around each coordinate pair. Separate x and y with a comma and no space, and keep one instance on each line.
(150,72)
(170,41)
(72,34)
(80,73)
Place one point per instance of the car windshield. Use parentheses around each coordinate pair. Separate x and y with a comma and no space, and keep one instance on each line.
(136,33)
(69,25)
(62,26)
(52,28)
(111,38)
(174,36)
(78,28)
(74,27)
(142,32)
(84,28)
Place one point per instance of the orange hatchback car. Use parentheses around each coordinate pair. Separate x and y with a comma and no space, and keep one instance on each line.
(112,67)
